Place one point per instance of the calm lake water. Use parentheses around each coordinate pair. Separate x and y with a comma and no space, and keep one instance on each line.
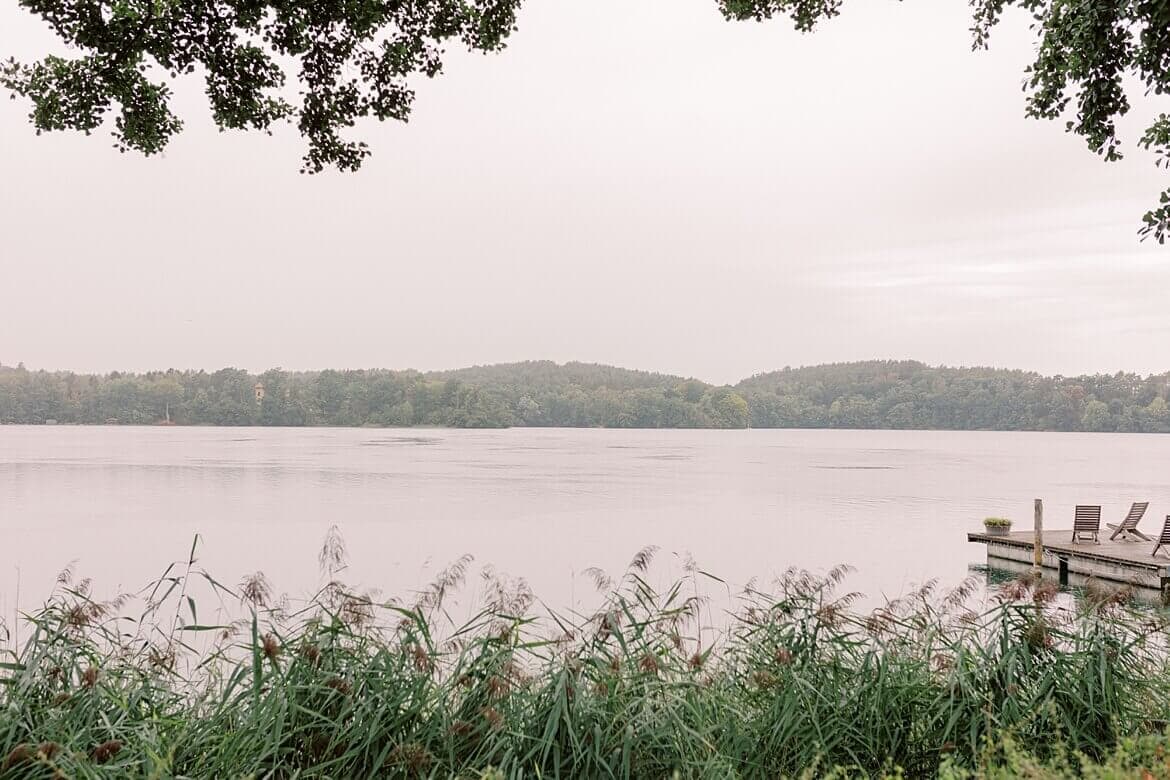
(543,504)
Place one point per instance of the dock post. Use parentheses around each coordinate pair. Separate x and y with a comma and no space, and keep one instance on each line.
(1038,538)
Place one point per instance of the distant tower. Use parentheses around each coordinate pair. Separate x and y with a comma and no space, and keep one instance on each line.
(259,391)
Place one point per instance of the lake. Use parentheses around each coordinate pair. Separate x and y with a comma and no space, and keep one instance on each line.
(543,504)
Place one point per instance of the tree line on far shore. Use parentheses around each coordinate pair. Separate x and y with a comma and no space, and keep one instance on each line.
(871,394)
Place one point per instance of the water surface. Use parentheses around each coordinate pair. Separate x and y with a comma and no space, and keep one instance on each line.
(543,504)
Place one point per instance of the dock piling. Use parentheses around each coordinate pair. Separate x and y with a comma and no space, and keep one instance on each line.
(1038,538)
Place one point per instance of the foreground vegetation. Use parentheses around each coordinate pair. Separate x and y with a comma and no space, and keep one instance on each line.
(875,394)
(796,682)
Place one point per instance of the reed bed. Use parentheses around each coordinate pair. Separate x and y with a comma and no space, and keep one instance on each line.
(797,681)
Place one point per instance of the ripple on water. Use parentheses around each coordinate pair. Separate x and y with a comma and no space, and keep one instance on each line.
(403,441)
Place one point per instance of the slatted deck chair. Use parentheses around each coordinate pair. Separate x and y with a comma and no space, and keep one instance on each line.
(1086,524)
(1164,539)
(1128,527)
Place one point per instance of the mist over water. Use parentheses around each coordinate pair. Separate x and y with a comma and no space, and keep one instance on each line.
(543,504)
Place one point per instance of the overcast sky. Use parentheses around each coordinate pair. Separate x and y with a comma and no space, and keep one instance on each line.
(635,182)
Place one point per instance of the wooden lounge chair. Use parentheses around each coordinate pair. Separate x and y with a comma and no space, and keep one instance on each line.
(1128,526)
(1164,539)
(1086,524)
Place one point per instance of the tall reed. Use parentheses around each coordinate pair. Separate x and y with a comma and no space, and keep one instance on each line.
(792,679)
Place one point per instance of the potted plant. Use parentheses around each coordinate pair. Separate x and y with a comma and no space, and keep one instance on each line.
(997,526)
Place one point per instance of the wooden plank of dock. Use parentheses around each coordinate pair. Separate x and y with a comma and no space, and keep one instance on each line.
(1119,561)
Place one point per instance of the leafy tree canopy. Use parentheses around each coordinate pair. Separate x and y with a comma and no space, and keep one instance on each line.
(871,394)
(351,58)
(354,59)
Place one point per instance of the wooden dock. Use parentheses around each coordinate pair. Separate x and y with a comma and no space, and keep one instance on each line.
(1130,563)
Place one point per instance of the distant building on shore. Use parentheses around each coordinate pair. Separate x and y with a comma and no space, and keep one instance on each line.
(258,389)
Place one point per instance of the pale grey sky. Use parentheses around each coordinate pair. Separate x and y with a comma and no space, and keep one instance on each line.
(634,182)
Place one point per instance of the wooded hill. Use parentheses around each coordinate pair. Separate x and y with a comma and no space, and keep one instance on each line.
(871,394)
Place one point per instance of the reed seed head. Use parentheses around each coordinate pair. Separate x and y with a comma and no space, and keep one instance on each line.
(311,654)
(410,757)
(256,590)
(1045,592)
(497,687)
(20,754)
(106,751)
(493,717)
(339,685)
(422,659)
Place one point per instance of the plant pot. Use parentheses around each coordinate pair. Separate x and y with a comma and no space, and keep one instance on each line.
(997,530)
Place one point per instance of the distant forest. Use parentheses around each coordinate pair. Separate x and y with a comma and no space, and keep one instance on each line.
(872,394)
